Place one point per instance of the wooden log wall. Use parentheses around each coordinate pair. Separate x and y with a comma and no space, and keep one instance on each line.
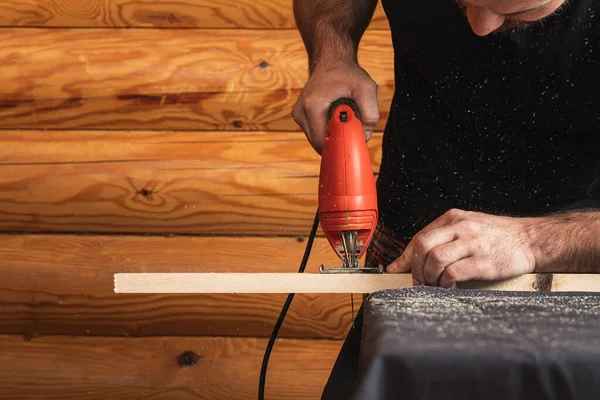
(155,136)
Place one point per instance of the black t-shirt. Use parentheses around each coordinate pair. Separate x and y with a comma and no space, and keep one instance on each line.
(504,124)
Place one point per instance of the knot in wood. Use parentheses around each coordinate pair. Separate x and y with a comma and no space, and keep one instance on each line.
(543,283)
(145,192)
(187,359)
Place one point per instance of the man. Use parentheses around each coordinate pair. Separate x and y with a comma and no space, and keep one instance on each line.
(491,153)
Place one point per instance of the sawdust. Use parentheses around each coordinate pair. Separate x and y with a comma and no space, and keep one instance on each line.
(435,343)
(468,319)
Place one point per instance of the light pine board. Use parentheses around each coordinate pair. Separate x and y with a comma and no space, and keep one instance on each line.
(213,282)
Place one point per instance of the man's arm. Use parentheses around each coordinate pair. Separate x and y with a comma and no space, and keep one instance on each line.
(565,242)
(331,31)
(463,246)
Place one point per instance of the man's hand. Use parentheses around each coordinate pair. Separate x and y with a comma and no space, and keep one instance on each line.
(461,246)
(331,31)
(326,85)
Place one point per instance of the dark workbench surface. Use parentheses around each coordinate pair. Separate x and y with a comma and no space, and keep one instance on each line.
(434,343)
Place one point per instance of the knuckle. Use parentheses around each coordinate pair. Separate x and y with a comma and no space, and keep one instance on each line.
(469,226)
(421,242)
(369,83)
(438,256)
(296,110)
(370,121)
(371,118)
(454,213)
(373,85)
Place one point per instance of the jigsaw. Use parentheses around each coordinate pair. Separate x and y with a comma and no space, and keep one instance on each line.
(347,209)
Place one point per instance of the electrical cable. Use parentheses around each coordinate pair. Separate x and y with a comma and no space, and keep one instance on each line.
(286,306)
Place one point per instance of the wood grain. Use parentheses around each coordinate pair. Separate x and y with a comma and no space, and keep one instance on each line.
(561,282)
(245,14)
(166,79)
(257,282)
(575,283)
(249,183)
(60,368)
(62,284)
(291,282)
(521,283)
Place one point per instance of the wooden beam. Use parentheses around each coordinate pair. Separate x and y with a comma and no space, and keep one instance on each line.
(232,183)
(182,368)
(575,283)
(195,80)
(64,285)
(213,282)
(244,14)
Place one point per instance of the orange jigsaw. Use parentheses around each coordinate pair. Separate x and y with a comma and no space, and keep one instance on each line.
(348,210)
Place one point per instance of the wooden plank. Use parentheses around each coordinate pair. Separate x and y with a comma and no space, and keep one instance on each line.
(63,284)
(85,368)
(546,282)
(249,183)
(268,282)
(575,282)
(254,282)
(521,283)
(140,79)
(245,14)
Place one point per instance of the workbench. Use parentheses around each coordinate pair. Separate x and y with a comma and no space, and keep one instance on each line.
(434,343)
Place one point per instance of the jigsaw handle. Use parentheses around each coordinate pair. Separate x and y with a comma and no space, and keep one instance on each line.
(347,190)
(344,100)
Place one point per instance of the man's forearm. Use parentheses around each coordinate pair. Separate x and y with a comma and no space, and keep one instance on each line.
(566,242)
(332,29)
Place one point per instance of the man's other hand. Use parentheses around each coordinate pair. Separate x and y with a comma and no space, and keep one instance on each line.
(328,84)
(462,246)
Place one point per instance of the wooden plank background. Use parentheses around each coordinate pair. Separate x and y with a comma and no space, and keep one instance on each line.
(156,135)
(239,14)
(63,284)
(92,368)
(213,183)
(195,80)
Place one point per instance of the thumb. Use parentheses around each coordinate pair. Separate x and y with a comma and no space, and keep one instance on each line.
(400,265)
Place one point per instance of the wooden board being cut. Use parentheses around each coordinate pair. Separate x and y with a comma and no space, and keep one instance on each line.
(317,283)
(257,282)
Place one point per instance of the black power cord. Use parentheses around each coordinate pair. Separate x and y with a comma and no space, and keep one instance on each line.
(286,306)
